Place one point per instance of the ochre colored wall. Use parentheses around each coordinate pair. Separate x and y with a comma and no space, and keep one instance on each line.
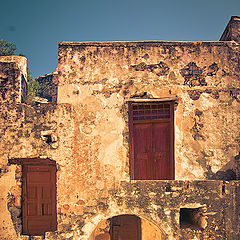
(99,78)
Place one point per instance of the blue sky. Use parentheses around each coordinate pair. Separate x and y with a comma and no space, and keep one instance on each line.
(36,27)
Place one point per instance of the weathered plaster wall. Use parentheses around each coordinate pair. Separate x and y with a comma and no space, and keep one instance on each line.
(100,77)
(6,182)
(150,231)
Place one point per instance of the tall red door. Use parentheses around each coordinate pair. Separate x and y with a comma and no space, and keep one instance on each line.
(151,138)
(39,199)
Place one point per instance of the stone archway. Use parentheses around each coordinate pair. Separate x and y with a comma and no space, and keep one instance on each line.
(132,226)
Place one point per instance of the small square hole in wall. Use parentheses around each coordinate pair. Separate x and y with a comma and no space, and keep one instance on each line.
(193,218)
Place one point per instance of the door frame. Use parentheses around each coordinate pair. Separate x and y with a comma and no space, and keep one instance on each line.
(172,135)
(24,162)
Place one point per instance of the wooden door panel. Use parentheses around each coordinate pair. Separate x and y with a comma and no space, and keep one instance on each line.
(142,151)
(129,228)
(46,209)
(39,203)
(115,233)
(32,193)
(142,168)
(151,140)
(161,150)
(46,193)
(37,226)
(142,135)
(32,209)
(39,177)
(161,136)
(125,227)
(152,151)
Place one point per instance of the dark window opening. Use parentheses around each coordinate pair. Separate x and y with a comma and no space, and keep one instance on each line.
(49,138)
(193,218)
(151,138)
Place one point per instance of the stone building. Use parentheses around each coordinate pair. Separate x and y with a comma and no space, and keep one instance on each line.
(140,142)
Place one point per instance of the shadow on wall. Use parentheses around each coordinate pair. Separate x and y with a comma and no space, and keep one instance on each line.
(229,172)
(227,175)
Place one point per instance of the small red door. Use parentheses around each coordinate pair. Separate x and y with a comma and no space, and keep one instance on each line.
(125,227)
(39,199)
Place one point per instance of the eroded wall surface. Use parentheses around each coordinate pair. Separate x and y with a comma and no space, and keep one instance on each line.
(101,77)
(13,75)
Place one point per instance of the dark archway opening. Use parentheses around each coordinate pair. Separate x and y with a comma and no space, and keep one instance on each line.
(125,227)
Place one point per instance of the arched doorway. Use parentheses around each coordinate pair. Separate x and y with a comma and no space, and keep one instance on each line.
(127,227)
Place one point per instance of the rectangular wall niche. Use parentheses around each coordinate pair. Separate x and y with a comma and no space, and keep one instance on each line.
(193,218)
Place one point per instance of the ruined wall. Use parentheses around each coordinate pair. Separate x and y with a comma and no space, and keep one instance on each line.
(23,134)
(232,31)
(48,86)
(158,204)
(101,77)
(13,75)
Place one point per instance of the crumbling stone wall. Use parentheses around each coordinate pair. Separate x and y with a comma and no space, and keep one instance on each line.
(48,85)
(13,75)
(232,31)
(160,202)
(23,134)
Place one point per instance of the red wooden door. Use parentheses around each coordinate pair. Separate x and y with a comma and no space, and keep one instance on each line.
(151,128)
(125,227)
(39,199)
(151,150)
